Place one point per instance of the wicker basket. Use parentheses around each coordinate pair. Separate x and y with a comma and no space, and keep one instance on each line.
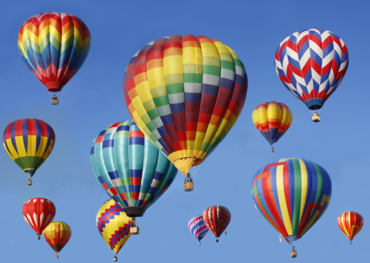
(54,101)
(293,254)
(188,186)
(315,118)
(134,230)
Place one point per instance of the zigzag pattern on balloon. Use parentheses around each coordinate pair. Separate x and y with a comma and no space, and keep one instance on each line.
(197,227)
(54,46)
(311,64)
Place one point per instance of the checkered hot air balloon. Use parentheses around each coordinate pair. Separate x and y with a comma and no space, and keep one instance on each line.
(113,225)
(311,64)
(291,195)
(29,143)
(54,46)
(350,223)
(272,120)
(39,213)
(217,218)
(57,235)
(185,94)
(198,228)
(130,168)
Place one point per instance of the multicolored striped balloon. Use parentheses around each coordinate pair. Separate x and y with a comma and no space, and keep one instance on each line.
(198,228)
(54,46)
(38,213)
(350,223)
(291,194)
(113,225)
(272,119)
(130,168)
(311,64)
(57,234)
(185,94)
(217,218)
(29,143)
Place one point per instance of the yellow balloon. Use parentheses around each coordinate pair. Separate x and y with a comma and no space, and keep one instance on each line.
(113,225)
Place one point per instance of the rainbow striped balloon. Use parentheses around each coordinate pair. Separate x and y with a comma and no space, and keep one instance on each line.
(292,195)
(185,94)
(54,46)
(272,119)
(29,143)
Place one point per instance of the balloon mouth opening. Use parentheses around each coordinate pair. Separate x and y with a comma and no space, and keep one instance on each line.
(292,238)
(314,104)
(134,211)
(54,86)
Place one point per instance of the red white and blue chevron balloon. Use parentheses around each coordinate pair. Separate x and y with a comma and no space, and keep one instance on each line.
(198,228)
(311,64)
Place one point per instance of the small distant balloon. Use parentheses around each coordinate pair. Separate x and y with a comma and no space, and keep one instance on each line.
(57,235)
(198,228)
(39,213)
(29,143)
(272,119)
(217,218)
(350,223)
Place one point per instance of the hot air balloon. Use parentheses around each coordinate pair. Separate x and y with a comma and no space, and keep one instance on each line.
(311,64)
(54,46)
(198,228)
(113,225)
(217,218)
(39,213)
(29,143)
(185,94)
(57,234)
(292,195)
(272,120)
(130,168)
(350,223)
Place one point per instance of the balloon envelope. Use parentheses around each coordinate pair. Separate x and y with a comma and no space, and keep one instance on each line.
(130,168)
(113,225)
(217,218)
(272,120)
(39,213)
(198,228)
(54,46)
(185,94)
(291,194)
(29,143)
(311,64)
(350,223)
(57,234)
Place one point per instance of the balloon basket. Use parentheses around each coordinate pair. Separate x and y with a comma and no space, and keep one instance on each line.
(272,149)
(57,256)
(188,186)
(316,117)
(134,230)
(38,237)
(29,182)
(293,254)
(115,259)
(54,100)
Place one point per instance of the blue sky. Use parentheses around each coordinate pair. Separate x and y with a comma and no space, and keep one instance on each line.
(93,99)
